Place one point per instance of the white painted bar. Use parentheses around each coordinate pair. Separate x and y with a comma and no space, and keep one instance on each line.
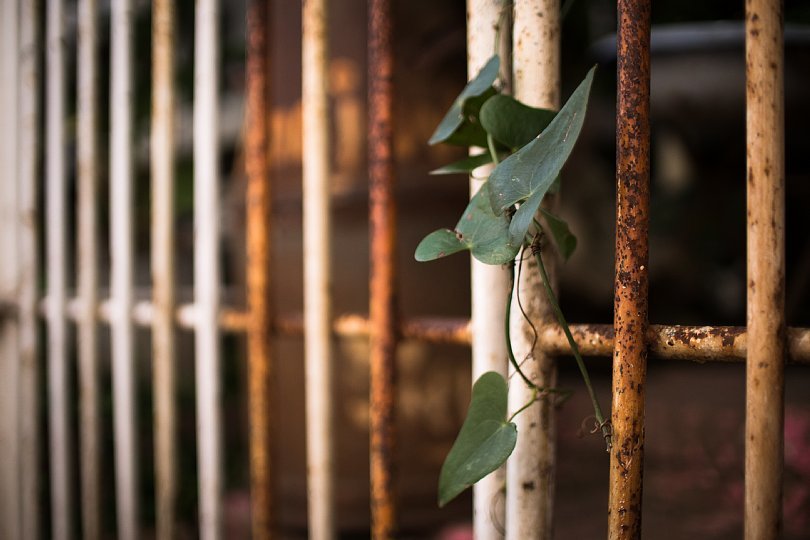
(489,285)
(317,270)
(163,292)
(27,255)
(87,270)
(9,345)
(121,273)
(56,262)
(206,267)
(531,467)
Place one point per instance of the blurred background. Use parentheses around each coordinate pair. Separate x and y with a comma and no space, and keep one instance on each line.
(695,413)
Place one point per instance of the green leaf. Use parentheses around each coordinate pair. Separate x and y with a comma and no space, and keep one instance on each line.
(476,87)
(524,216)
(466,165)
(470,132)
(511,122)
(485,441)
(563,237)
(439,244)
(479,230)
(526,176)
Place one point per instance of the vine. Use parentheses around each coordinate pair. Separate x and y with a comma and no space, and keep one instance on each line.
(528,147)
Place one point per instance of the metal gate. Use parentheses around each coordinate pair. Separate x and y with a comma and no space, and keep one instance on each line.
(765,344)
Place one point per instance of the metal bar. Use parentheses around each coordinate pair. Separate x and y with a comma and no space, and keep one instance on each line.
(317,270)
(694,343)
(489,284)
(9,277)
(631,283)
(121,270)
(87,271)
(29,137)
(691,343)
(206,266)
(163,288)
(530,470)
(56,262)
(382,308)
(257,117)
(764,409)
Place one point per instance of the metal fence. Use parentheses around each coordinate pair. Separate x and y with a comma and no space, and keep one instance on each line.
(765,343)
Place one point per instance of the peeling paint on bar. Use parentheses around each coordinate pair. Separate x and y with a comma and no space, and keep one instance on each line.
(489,285)
(530,470)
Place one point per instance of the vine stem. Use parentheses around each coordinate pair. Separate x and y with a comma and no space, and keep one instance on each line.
(508,333)
(604,425)
(537,391)
(492,151)
(535,395)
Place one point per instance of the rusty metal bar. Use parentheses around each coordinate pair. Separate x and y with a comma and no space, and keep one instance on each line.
(30,145)
(257,232)
(530,470)
(631,283)
(691,343)
(206,266)
(163,287)
(317,270)
(87,267)
(764,409)
(429,329)
(382,308)
(489,284)
(60,435)
(694,343)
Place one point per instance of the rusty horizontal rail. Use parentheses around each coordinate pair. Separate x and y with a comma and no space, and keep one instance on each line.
(694,343)
(691,343)
(454,331)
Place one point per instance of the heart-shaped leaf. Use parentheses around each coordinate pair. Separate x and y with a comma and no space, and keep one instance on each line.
(511,122)
(485,441)
(479,230)
(479,85)
(564,239)
(525,176)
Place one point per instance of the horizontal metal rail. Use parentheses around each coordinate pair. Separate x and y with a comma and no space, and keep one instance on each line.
(671,342)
